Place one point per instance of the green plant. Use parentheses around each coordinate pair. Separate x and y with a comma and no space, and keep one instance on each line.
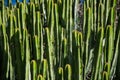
(38,41)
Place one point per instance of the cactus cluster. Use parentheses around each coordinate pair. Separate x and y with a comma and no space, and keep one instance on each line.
(38,40)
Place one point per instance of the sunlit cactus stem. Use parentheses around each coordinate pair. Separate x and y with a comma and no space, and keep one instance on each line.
(60,73)
(68,72)
(33,70)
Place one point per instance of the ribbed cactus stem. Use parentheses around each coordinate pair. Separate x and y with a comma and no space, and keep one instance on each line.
(45,67)
(68,72)
(87,36)
(109,46)
(105,76)
(60,73)
(33,70)
(76,2)
(49,53)
(40,77)
(99,51)
(79,55)
(115,59)
(27,57)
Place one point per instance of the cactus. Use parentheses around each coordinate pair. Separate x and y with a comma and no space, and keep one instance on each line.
(34,70)
(60,73)
(39,40)
(40,77)
(68,72)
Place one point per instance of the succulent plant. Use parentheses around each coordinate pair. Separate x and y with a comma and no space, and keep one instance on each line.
(40,41)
